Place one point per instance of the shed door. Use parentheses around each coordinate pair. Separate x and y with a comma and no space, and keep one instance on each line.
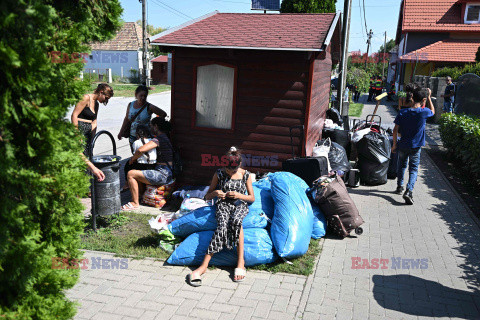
(214,92)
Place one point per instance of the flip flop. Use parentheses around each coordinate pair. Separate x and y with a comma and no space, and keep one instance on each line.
(129,207)
(239,272)
(194,282)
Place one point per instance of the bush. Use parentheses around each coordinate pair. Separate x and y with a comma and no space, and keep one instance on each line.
(461,136)
(41,171)
(456,72)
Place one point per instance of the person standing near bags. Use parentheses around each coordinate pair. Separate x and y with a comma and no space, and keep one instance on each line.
(410,123)
(139,112)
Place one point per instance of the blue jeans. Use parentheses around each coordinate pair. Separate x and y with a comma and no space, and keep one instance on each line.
(448,106)
(411,157)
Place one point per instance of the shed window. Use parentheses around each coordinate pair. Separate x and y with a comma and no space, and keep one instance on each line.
(472,13)
(214,96)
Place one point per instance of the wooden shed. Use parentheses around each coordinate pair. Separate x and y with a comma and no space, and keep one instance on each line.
(245,80)
(160,70)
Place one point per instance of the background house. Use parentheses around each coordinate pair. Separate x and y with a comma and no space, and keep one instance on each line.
(121,54)
(433,34)
(245,80)
(160,70)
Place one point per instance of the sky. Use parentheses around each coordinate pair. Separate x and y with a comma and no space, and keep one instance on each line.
(380,16)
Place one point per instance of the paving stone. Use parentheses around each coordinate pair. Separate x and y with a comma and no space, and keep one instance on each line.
(204,314)
(263,309)
(167,312)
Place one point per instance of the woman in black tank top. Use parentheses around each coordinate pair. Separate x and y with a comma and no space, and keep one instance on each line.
(84,116)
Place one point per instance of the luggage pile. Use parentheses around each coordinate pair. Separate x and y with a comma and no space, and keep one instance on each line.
(280,223)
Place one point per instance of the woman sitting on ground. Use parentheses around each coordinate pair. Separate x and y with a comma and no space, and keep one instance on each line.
(232,186)
(162,172)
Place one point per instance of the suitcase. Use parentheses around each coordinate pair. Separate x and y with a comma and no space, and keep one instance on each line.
(393,165)
(340,211)
(308,168)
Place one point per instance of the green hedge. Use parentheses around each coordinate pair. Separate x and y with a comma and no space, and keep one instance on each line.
(456,72)
(41,169)
(461,136)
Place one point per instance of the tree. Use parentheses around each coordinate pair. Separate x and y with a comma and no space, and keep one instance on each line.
(41,171)
(359,78)
(151,30)
(390,46)
(477,55)
(308,6)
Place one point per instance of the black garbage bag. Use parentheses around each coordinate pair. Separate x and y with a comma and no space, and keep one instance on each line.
(334,114)
(338,158)
(374,152)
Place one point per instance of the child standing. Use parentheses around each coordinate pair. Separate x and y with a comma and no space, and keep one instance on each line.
(232,186)
(410,123)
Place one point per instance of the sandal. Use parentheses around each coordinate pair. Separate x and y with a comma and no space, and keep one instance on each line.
(194,282)
(129,207)
(239,272)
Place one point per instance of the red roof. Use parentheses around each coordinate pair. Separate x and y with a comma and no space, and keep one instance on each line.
(255,31)
(160,59)
(449,50)
(434,15)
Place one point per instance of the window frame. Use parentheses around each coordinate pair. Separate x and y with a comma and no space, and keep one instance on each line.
(194,96)
(465,21)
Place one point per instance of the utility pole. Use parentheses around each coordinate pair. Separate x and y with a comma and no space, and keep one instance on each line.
(384,53)
(343,64)
(369,40)
(144,42)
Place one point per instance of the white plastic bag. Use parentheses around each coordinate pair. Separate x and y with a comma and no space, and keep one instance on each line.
(322,150)
(358,135)
(161,221)
(190,204)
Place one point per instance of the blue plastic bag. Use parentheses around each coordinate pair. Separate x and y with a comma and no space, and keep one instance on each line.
(263,199)
(319,222)
(258,249)
(292,221)
(203,219)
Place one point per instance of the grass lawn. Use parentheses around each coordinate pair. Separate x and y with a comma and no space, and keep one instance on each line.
(355,109)
(128,90)
(129,235)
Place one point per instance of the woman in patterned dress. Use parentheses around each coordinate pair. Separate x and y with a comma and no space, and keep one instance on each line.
(232,186)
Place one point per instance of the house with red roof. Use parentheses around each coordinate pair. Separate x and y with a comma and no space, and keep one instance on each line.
(435,33)
(247,79)
(160,70)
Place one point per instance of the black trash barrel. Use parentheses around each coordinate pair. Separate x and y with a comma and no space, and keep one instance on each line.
(106,194)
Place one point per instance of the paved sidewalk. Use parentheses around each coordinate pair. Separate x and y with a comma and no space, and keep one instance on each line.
(438,228)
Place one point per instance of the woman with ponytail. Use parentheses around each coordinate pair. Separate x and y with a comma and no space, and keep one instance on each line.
(232,186)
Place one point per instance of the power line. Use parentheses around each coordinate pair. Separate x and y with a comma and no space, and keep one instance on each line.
(364,17)
(171,9)
(361,22)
